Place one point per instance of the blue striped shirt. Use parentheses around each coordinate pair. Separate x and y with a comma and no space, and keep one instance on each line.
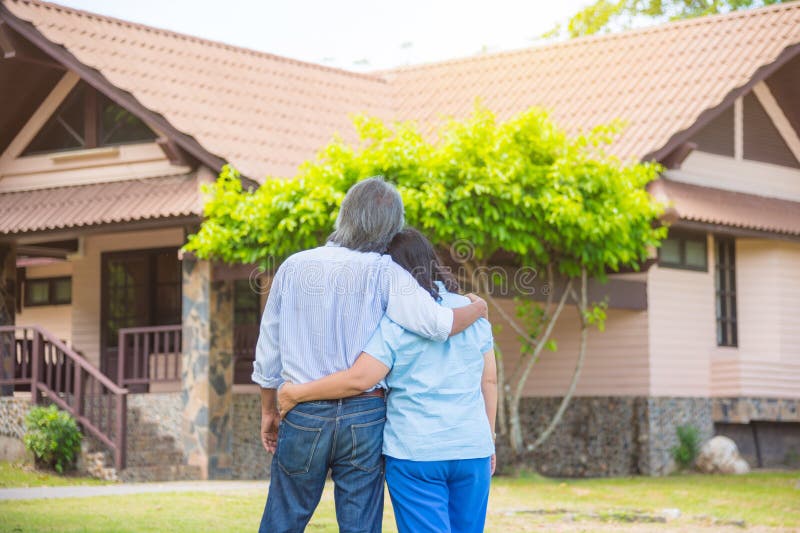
(325,303)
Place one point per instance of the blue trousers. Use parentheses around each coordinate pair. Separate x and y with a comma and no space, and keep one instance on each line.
(439,496)
(343,436)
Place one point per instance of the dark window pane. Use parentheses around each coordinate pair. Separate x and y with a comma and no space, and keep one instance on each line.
(62,291)
(38,292)
(65,129)
(696,254)
(118,126)
(725,285)
(670,251)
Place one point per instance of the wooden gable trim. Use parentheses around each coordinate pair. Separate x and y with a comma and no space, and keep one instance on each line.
(117,95)
(711,113)
(778,118)
(40,117)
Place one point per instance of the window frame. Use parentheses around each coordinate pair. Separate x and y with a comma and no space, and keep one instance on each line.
(727,337)
(51,291)
(683,237)
(93,133)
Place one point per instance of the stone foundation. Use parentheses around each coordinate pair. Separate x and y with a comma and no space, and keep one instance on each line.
(607,436)
(12,416)
(12,427)
(766,430)
(250,460)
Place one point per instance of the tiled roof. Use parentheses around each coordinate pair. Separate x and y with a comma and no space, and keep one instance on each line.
(658,80)
(263,113)
(267,114)
(100,203)
(727,208)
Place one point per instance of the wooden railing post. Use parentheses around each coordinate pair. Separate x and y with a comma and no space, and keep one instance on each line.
(36,365)
(121,359)
(121,434)
(78,392)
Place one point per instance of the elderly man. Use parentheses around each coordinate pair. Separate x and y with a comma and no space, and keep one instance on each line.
(323,306)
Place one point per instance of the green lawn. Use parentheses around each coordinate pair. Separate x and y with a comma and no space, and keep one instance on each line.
(19,475)
(763,501)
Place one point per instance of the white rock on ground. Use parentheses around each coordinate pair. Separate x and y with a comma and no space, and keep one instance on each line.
(720,455)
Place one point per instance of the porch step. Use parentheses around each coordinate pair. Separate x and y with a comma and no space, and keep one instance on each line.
(136,474)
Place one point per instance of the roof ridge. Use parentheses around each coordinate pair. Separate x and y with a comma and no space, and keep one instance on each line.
(189,37)
(578,41)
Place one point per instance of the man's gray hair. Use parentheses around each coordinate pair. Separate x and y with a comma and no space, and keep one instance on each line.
(370,216)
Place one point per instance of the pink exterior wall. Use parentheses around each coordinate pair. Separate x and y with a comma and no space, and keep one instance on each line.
(616,361)
(682,330)
(767,361)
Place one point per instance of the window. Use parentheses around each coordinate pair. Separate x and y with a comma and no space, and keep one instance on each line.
(48,291)
(684,250)
(725,284)
(247,303)
(88,119)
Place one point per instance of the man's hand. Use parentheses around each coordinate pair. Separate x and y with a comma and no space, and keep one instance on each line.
(286,398)
(494,462)
(269,430)
(474,298)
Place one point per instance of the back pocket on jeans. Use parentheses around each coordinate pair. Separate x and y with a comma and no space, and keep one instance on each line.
(367,445)
(296,447)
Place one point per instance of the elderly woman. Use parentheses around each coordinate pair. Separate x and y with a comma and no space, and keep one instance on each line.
(438,438)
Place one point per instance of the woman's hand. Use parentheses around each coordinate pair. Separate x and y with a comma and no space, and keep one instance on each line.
(494,462)
(286,398)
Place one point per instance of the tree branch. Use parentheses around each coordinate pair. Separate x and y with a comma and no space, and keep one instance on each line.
(582,304)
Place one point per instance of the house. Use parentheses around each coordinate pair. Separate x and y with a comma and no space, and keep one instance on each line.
(108,129)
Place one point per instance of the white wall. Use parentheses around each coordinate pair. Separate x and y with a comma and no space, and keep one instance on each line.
(57,319)
(721,172)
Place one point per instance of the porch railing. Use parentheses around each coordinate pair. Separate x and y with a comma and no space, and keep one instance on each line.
(33,359)
(149,355)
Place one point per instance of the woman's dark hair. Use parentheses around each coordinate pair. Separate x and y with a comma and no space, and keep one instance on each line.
(413,251)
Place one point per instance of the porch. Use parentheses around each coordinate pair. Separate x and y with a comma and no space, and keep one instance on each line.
(134,322)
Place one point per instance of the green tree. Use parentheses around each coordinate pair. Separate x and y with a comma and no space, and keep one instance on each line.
(604,16)
(553,204)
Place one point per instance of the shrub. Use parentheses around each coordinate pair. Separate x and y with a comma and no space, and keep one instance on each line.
(688,446)
(53,437)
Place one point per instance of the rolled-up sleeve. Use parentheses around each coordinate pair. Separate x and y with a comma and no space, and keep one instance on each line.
(267,365)
(412,307)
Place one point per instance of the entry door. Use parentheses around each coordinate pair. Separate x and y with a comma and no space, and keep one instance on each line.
(139,288)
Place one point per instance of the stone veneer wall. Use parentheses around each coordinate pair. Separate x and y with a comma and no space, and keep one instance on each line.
(743,410)
(250,460)
(607,436)
(12,416)
(164,409)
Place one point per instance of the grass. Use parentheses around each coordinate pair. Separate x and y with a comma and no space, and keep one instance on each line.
(764,501)
(22,475)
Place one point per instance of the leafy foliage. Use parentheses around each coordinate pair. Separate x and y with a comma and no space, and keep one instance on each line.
(688,446)
(607,15)
(53,437)
(523,186)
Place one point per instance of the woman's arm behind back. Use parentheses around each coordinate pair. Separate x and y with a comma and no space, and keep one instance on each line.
(365,373)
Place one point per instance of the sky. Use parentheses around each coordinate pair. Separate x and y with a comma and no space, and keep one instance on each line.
(360,35)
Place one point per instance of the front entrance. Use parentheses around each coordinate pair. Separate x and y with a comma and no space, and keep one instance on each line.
(138,288)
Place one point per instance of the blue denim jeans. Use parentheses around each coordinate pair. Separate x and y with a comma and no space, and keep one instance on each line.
(344,436)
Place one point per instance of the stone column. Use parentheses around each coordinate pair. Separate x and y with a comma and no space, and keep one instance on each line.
(8,307)
(207,369)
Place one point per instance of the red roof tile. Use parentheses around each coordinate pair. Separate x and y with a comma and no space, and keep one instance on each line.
(727,208)
(267,114)
(101,203)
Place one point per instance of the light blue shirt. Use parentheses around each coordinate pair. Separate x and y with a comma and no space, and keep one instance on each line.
(435,409)
(325,303)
